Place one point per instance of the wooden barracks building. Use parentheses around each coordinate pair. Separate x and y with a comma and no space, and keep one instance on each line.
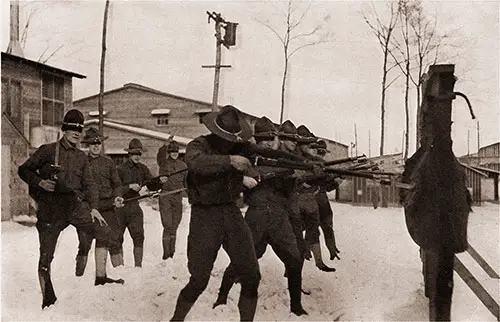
(152,116)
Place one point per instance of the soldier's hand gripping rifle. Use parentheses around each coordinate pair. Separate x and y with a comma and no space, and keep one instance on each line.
(157,182)
(151,194)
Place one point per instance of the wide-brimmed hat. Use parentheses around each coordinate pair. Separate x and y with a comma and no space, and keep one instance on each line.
(92,136)
(288,131)
(305,136)
(264,129)
(135,146)
(320,145)
(73,120)
(173,147)
(228,124)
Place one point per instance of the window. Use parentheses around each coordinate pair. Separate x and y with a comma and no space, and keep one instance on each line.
(5,96)
(53,99)
(201,115)
(11,98)
(162,119)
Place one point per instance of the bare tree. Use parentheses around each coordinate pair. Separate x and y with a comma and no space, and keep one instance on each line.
(103,59)
(295,37)
(402,56)
(383,31)
(428,45)
(30,11)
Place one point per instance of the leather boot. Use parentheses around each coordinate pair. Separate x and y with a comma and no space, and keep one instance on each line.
(138,254)
(316,250)
(225,287)
(332,248)
(247,306)
(166,245)
(182,308)
(295,290)
(81,263)
(48,294)
(172,245)
(101,255)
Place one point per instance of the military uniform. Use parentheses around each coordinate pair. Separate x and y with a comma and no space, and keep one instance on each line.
(75,194)
(214,186)
(131,215)
(105,175)
(170,205)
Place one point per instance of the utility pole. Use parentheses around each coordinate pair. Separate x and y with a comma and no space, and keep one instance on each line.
(228,41)
(355,139)
(103,58)
(468,145)
(478,142)
(369,144)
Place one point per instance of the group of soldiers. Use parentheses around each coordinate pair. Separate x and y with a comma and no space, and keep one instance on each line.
(101,201)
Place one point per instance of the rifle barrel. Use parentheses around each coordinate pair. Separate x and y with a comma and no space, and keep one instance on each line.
(344,160)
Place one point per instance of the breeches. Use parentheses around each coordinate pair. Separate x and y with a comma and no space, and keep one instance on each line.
(105,236)
(210,228)
(131,217)
(305,207)
(325,214)
(270,226)
(170,212)
(77,215)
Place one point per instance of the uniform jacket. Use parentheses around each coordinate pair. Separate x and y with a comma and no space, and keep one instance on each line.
(106,177)
(74,177)
(211,178)
(176,181)
(130,172)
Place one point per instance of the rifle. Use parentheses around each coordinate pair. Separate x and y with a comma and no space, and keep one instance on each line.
(260,161)
(358,159)
(155,183)
(152,194)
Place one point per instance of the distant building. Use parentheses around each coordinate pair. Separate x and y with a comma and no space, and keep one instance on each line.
(35,97)
(151,115)
(484,171)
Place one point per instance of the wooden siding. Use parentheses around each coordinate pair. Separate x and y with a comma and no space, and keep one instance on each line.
(367,192)
(473,183)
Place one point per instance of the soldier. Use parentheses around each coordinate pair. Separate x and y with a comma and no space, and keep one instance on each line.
(133,175)
(105,175)
(267,217)
(170,205)
(287,134)
(306,203)
(325,210)
(60,181)
(215,180)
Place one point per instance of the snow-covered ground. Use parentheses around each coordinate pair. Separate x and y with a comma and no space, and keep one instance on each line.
(378,276)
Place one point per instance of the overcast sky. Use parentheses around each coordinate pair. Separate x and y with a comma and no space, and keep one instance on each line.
(332,87)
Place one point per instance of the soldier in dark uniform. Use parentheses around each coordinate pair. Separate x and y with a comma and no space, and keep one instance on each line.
(105,175)
(133,175)
(319,148)
(60,181)
(170,205)
(267,217)
(306,203)
(304,213)
(215,180)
